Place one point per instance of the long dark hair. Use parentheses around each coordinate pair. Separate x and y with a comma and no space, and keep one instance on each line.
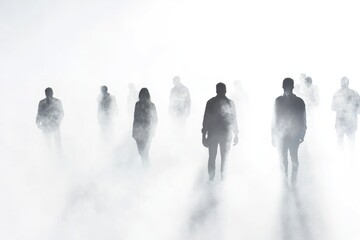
(144,95)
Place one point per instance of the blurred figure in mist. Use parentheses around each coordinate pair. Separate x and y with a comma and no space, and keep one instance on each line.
(308,92)
(289,128)
(219,126)
(132,98)
(180,102)
(107,109)
(49,116)
(144,125)
(298,89)
(240,98)
(346,104)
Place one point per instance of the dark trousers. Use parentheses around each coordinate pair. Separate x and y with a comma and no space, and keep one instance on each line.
(214,141)
(289,145)
(143,146)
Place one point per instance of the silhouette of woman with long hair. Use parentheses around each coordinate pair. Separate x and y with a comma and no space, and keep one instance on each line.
(145,121)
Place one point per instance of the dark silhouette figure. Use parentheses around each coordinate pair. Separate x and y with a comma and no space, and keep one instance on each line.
(49,116)
(144,126)
(219,125)
(132,98)
(107,108)
(180,102)
(346,104)
(289,127)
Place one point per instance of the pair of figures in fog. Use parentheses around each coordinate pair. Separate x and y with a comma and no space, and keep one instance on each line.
(144,121)
(288,129)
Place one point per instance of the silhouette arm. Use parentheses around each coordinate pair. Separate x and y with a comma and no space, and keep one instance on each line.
(61,111)
(235,124)
(205,126)
(135,121)
(304,127)
(39,116)
(274,125)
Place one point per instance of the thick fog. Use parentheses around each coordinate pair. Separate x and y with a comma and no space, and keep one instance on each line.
(96,188)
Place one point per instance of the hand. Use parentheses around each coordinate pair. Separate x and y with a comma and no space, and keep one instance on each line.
(205,141)
(236,140)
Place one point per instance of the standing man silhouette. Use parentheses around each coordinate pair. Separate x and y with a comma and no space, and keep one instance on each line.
(219,126)
(289,128)
(49,116)
(107,109)
(179,102)
(346,104)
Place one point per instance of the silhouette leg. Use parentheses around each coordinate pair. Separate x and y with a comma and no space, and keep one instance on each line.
(141,145)
(146,157)
(283,154)
(224,151)
(213,145)
(294,147)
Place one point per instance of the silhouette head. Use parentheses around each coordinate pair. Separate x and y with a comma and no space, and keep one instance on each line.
(344,82)
(288,85)
(144,95)
(176,81)
(308,81)
(221,89)
(103,89)
(49,92)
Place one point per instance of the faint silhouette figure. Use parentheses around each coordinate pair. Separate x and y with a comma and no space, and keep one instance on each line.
(240,99)
(180,102)
(346,104)
(49,116)
(308,92)
(289,127)
(107,109)
(219,125)
(144,126)
(132,98)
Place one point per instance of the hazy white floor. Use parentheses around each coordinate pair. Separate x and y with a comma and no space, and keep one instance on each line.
(100,191)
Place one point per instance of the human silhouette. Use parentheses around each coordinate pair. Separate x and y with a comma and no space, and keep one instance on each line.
(219,126)
(180,102)
(144,125)
(346,104)
(132,98)
(49,116)
(308,92)
(107,109)
(289,127)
